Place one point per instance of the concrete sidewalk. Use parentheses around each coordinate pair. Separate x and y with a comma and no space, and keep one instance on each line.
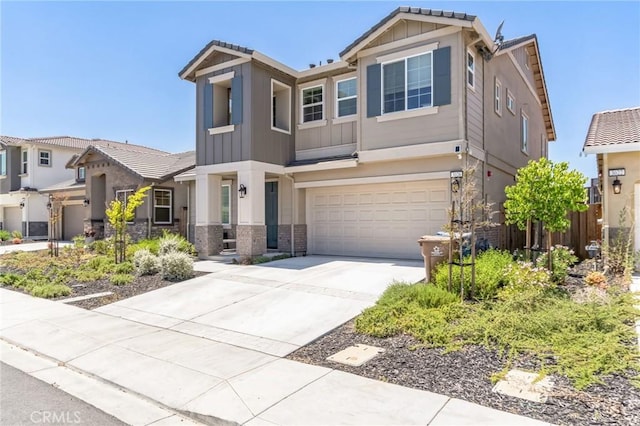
(146,374)
(31,246)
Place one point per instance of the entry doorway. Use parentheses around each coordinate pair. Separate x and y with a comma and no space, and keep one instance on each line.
(271,213)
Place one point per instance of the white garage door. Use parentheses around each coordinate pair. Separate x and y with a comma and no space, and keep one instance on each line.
(378,220)
(72,222)
(12,219)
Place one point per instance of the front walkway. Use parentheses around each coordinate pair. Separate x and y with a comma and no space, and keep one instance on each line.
(204,374)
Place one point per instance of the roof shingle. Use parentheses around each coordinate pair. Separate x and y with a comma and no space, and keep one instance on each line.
(76,143)
(615,127)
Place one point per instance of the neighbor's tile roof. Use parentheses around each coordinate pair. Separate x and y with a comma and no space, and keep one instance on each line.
(67,185)
(75,143)
(515,41)
(218,43)
(158,166)
(415,11)
(615,127)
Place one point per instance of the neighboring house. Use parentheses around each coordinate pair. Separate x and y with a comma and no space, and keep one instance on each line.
(593,191)
(614,136)
(112,172)
(354,157)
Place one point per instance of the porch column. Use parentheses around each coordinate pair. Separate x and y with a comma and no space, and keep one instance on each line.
(208,230)
(251,231)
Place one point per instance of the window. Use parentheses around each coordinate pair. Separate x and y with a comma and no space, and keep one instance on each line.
(162,206)
(280,107)
(44,158)
(222,103)
(497,97)
(524,137)
(3,163)
(226,204)
(312,104)
(81,174)
(122,195)
(471,69)
(346,97)
(406,84)
(511,102)
(24,167)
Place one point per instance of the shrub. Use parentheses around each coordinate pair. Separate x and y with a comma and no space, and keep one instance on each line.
(176,266)
(16,235)
(4,235)
(151,245)
(102,247)
(50,290)
(169,243)
(523,277)
(562,258)
(123,268)
(9,279)
(596,279)
(183,245)
(146,263)
(87,276)
(490,269)
(121,279)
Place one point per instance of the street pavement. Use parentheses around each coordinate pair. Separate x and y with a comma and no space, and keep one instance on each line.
(213,348)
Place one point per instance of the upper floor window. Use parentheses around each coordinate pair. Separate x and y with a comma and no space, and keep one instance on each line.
(223,103)
(81,174)
(471,69)
(122,195)
(497,97)
(24,165)
(406,84)
(162,206)
(524,136)
(313,104)
(280,107)
(44,157)
(226,204)
(511,102)
(346,97)
(3,163)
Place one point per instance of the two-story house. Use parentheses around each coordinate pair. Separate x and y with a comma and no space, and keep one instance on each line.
(44,181)
(354,157)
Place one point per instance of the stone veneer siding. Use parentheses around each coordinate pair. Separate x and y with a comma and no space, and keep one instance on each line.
(208,240)
(139,230)
(251,240)
(300,242)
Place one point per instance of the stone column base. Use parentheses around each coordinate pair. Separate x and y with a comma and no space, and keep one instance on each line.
(251,240)
(300,241)
(208,240)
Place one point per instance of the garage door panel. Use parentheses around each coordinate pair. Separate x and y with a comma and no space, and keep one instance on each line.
(12,219)
(72,221)
(381,220)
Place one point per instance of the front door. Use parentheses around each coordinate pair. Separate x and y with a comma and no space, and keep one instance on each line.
(271,213)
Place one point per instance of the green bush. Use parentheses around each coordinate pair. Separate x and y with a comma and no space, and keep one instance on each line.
(146,263)
(562,258)
(102,247)
(176,266)
(16,234)
(490,269)
(5,235)
(183,245)
(50,290)
(121,279)
(152,245)
(87,276)
(123,268)
(9,279)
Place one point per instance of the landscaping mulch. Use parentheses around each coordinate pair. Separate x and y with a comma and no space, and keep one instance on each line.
(466,374)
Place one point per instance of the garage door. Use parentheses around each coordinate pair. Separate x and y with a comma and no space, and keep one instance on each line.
(377,220)
(72,221)
(12,219)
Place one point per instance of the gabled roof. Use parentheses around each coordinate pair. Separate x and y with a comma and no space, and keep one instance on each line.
(73,143)
(410,10)
(158,166)
(538,76)
(215,43)
(614,131)
(67,185)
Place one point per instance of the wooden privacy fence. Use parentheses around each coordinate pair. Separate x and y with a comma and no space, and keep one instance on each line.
(584,228)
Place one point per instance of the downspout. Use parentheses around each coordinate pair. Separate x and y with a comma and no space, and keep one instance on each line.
(293,212)
(605,199)
(149,211)
(188,209)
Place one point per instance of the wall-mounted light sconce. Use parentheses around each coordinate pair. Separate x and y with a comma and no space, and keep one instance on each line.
(242,190)
(86,202)
(617,186)
(22,203)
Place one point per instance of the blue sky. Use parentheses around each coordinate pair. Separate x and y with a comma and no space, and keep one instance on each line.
(109,69)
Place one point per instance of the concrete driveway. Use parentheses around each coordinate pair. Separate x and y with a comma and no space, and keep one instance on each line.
(273,308)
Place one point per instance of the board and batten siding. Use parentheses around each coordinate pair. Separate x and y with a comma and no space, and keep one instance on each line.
(475,118)
(225,147)
(402,30)
(268,145)
(442,126)
(521,57)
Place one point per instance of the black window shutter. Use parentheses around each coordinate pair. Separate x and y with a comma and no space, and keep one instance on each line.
(208,105)
(442,76)
(374,90)
(236,100)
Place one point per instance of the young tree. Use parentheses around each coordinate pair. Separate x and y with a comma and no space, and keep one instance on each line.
(119,214)
(545,192)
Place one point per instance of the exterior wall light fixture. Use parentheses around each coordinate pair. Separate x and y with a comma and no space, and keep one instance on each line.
(242,190)
(86,202)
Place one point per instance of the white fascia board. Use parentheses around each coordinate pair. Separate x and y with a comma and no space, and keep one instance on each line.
(482,31)
(275,64)
(248,165)
(322,69)
(209,52)
(222,66)
(430,149)
(185,177)
(612,149)
(325,165)
(373,179)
